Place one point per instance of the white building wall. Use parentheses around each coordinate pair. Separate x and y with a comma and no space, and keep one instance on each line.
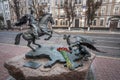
(6,10)
(1,7)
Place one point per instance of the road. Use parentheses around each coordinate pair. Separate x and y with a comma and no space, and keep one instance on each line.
(109,43)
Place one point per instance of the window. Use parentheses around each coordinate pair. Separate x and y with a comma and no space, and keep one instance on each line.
(94,22)
(103,11)
(56,22)
(66,22)
(6,6)
(101,22)
(75,1)
(116,10)
(61,22)
(56,2)
(61,3)
(48,1)
(96,13)
(79,1)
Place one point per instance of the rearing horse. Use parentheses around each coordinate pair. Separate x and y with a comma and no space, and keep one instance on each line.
(42,26)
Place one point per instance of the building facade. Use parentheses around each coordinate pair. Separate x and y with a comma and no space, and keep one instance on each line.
(60,16)
(108,9)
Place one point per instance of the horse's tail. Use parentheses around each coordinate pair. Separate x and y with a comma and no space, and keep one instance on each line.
(17,38)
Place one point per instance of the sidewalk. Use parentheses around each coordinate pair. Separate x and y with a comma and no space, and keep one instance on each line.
(104,68)
(75,31)
(8,51)
(87,32)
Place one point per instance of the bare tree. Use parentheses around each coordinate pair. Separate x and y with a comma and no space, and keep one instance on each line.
(69,8)
(15,5)
(39,8)
(92,7)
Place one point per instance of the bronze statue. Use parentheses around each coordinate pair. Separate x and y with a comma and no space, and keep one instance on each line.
(78,47)
(37,28)
(32,24)
(75,51)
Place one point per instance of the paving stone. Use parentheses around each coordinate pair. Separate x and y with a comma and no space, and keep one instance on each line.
(106,68)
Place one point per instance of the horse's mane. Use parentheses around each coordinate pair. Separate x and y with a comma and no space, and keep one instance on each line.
(44,18)
(21,21)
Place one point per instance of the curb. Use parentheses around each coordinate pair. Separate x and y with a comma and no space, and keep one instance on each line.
(108,57)
(86,32)
(13,45)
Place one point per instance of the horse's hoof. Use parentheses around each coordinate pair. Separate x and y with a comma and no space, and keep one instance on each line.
(34,50)
(39,46)
(46,39)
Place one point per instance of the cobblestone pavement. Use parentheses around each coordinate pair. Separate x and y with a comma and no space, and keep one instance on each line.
(104,68)
(7,52)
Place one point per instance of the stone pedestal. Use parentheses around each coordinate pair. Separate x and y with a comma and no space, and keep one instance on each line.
(57,72)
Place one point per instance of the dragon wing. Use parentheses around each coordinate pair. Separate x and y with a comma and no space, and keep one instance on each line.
(83,39)
(90,46)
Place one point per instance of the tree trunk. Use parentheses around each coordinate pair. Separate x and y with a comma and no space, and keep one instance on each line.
(70,24)
(17,9)
(69,27)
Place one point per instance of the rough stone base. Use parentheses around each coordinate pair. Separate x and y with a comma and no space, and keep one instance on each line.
(57,72)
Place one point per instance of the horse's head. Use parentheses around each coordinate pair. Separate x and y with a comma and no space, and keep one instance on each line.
(22,20)
(45,18)
(51,19)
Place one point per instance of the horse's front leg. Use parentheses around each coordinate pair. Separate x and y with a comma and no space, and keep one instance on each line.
(29,42)
(50,35)
(36,44)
